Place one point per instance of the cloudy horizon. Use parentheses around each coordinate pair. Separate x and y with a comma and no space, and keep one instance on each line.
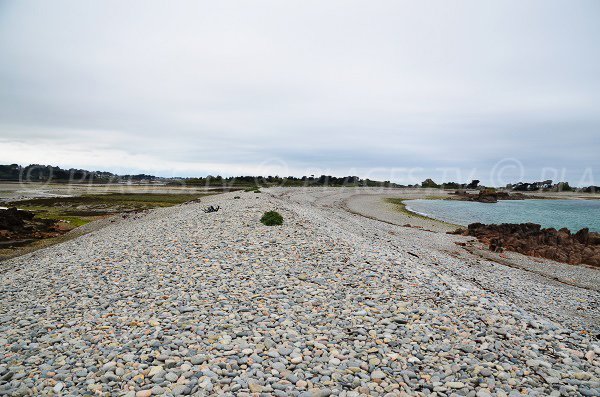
(389,90)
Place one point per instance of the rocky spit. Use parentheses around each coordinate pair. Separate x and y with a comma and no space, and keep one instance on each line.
(180,302)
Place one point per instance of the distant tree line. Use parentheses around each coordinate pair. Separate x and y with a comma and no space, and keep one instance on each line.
(430,184)
(323,180)
(44,173)
(546,186)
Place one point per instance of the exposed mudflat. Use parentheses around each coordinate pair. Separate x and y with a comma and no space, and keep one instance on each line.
(180,302)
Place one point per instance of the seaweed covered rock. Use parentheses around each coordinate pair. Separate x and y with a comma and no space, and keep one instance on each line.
(18,225)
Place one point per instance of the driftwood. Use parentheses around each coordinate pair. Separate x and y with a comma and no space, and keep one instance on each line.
(211,209)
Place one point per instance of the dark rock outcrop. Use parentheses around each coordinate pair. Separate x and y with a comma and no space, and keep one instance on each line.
(14,220)
(487,196)
(18,226)
(531,239)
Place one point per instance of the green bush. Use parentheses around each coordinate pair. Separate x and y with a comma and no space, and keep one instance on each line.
(272,218)
(257,191)
(251,189)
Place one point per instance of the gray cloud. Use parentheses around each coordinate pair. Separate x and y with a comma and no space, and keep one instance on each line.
(299,86)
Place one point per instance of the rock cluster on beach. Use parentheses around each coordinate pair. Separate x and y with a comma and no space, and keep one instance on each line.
(182,302)
(531,239)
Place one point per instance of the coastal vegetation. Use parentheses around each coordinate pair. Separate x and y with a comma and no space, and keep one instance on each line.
(271,218)
(80,210)
(400,206)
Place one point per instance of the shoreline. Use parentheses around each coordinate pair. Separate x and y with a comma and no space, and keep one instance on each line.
(407,208)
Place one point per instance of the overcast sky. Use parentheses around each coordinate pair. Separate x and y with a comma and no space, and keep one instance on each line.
(498,90)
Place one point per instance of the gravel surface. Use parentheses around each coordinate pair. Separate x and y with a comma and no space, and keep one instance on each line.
(180,302)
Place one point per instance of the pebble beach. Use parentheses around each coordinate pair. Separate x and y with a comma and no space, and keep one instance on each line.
(331,303)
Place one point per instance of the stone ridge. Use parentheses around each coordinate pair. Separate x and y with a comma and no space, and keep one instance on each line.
(182,302)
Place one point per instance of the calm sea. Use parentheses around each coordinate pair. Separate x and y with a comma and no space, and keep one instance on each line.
(572,214)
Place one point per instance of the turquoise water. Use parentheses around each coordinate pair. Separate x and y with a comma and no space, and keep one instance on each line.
(572,214)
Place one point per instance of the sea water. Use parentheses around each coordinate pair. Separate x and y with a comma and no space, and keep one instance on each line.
(572,214)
